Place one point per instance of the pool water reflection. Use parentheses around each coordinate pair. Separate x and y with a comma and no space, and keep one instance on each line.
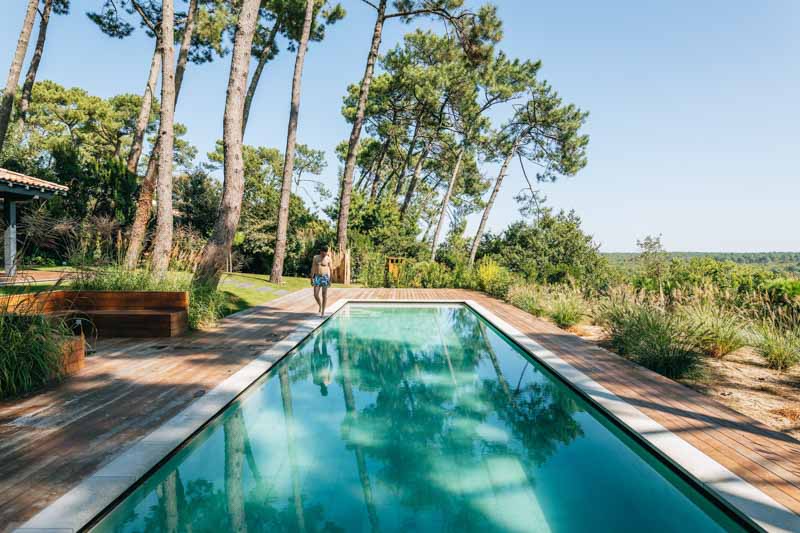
(412,418)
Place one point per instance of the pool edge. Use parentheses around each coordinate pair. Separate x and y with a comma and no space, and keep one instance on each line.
(737,493)
(92,497)
(83,504)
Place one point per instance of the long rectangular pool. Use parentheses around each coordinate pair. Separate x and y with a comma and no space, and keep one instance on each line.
(413,418)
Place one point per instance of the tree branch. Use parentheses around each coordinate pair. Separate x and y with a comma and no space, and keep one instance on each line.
(149,23)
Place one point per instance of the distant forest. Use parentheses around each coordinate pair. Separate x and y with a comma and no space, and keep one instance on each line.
(780,262)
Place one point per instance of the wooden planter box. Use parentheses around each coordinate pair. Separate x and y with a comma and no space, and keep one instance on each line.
(110,313)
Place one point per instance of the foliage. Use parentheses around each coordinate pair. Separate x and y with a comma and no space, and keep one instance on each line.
(722,327)
(423,274)
(566,307)
(493,279)
(206,306)
(777,339)
(197,197)
(551,249)
(379,227)
(30,351)
(781,263)
(529,298)
(652,336)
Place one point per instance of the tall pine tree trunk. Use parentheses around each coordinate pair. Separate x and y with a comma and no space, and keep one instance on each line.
(7,102)
(33,68)
(144,111)
(162,242)
(352,414)
(235,445)
(346,190)
(485,217)
(446,200)
(412,186)
(212,261)
(409,157)
(262,61)
(291,447)
(291,139)
(144,201)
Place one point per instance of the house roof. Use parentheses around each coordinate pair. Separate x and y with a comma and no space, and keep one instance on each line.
(15,179)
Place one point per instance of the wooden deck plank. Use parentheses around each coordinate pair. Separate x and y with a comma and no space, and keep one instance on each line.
(49,442)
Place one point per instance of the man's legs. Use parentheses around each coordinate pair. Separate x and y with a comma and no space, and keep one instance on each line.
(324,301)
(316,296)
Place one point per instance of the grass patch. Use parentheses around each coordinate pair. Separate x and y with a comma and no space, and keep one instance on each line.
(248,290)
(529,298)
(654,337)
(25,288)
(720,329)
(778,345)
(566,307)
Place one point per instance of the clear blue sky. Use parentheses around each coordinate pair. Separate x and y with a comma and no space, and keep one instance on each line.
(694,107)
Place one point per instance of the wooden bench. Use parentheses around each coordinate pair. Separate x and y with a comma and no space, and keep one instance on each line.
(110,313)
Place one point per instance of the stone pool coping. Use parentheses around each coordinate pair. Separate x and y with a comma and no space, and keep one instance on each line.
(96,493)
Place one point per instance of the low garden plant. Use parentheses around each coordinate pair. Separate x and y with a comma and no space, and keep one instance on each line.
(722,327)
(30,352)
(777,340)
(652,336)
(566,306)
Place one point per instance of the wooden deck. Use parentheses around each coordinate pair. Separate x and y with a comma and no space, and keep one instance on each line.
(49,442)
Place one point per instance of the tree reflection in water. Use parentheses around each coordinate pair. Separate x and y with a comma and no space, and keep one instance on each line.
(441,425)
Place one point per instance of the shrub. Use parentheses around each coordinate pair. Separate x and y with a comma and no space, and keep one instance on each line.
(566,307)
(651,336)
(719,328)
(206,306)
(30,352)
(529,298)
(423,274)
(777,344)
(464,277)
(493,279)
(370,270)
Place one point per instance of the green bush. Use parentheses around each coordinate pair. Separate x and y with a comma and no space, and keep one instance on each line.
(777,344)
(566,307)
(529,298)
(720,329)
(30,352)
(648,334)
(493,279)
(784,291)
(422,275)
(370,270)
(206,306)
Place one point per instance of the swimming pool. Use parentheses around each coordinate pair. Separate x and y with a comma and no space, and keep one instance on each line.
(415,418)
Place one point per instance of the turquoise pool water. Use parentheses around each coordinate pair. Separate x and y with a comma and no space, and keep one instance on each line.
(412,418)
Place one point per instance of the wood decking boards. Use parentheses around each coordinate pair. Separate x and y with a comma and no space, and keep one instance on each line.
(52,440)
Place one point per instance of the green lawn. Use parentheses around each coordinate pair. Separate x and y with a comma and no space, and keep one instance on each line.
(248,290)
(241,296)
(26,288)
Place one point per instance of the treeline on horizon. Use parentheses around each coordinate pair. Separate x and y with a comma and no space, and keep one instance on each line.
(787,262)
